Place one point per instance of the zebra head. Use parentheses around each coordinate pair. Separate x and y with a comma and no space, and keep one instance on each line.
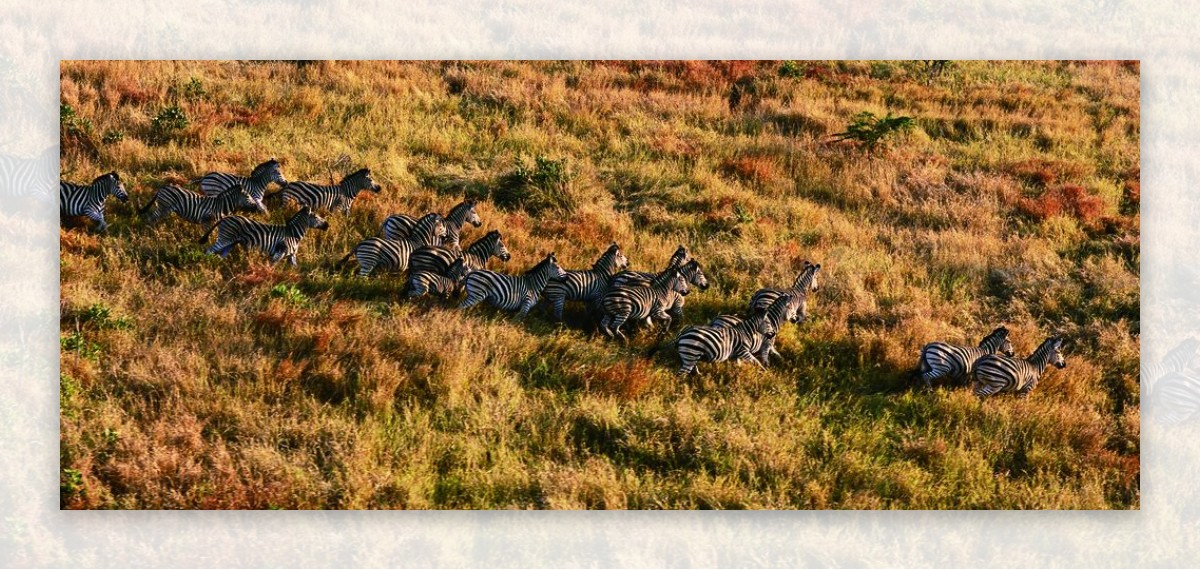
(472,216)
(612,260)
(1057,359)
(308,219)
(622,262)
(550,267)
(695,274)
(678,283)
(111,184)
(361,180)
(495,246)
(269,172)
(679,258)
(807,279)
(997,341)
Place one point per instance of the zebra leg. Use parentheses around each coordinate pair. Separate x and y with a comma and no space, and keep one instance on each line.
(614,325)
(473,298)
(98,217)
(686,366)
(558,303)
(530,300)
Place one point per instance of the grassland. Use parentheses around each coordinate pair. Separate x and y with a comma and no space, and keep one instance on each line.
(194,382)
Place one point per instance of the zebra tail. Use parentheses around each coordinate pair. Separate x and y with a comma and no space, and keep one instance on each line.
(204,238)
(658,343)
(346,258)
(142,211)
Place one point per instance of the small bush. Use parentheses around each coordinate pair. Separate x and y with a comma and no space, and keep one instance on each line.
(791,69)
(167,124)
(870,130)
(112,136)
(291,295)
(76,342)
(535,189)
(101,316)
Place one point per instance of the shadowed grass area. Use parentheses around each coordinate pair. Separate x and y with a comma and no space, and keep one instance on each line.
(188,381)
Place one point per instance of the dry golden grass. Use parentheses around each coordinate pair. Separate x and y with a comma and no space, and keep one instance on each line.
(194,382)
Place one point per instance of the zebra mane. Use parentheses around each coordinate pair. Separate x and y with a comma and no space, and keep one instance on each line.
(458,214)
(607,259)
(423,229)
(805,279)
(994,338)
(483,244)
(264,168)
(103,177)
(541,265)
(678,258)
(1048,346)
(777,310)
(357,174)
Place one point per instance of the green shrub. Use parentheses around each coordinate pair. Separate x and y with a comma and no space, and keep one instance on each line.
(535,189)
(870,130)
(167,123)
(291,295)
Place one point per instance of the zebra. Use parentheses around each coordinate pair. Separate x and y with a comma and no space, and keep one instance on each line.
(642,278)
(272,239)
(776,314)
(423,282)
(996,373)
(623,302)
(398,226)
(197,208)
(1176,396)
(1179,359)
(942,360)
(805,283)
(213,183)
(437,259)
(586,285)
(79,200)
(393,254)
(744,341)
(340,196)
(510,292)
(28,182)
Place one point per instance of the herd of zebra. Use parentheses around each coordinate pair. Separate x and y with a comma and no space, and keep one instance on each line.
(428,248)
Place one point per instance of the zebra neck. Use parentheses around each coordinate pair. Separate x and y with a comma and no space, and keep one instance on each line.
(296,228)
(538,280)
(255,187)
(1040,358)
(451,237)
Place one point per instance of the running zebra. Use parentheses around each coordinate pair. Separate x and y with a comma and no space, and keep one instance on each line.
(1179,359)
(510,292)
(28,183)
(997,373)
(398,226)
(437,259)
(427,282)
(805,282)
(272,239)
(393,255)
(643,278)
(322,197)
(955,362)
(586,285)
(213,183)
(197,208)
(79,200)
(623,302)
(741,342)
(1176,397)
(776,314)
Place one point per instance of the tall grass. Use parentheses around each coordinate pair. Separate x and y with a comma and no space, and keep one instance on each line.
(188,381)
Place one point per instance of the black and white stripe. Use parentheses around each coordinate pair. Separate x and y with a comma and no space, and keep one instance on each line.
(277,241)
(399,226)
(805,283)
(777,314)
(197,208)
(263,175)
(30,181)
(325,197)
(586,285)
(998,373)
(742,341)
(941,360)
(392,255)
(1176,397)
(427,282)
(643,278)
(79,200)
(510,292)
(437,259)
(624,302)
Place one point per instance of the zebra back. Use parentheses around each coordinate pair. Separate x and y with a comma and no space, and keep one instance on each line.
(997,373)
(438,259)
